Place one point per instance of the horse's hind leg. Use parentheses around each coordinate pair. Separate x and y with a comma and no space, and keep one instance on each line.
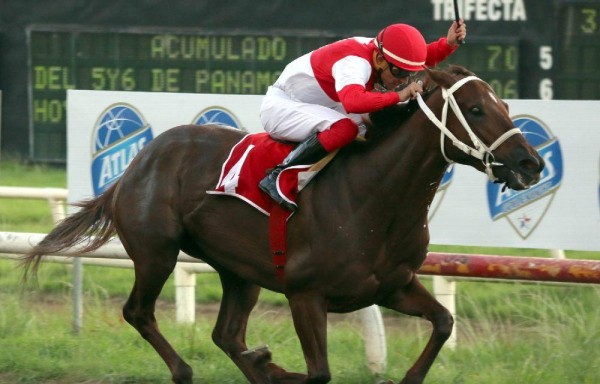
(239,298)
(151,272)
(415,300)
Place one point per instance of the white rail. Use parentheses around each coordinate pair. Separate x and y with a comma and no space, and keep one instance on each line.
(56,197)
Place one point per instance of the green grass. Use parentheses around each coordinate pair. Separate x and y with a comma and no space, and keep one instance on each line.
(538,337)
(509,332)
(17,174)
(25,215)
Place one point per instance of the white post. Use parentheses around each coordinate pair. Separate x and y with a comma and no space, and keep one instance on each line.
(558,253)
(185,295)
(57,207)
(374,338)
(445,292)
(77,294)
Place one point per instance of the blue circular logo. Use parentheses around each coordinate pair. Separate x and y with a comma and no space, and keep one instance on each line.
(117,123)
(525,209)
(119,135)
(533,130)
(218,116)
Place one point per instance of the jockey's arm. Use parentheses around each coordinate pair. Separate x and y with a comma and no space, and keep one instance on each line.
(356,99)
(438,51)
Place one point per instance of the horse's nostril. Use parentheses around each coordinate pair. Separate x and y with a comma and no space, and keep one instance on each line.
(530,165)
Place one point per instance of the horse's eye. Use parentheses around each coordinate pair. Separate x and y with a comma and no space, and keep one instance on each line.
(475,111)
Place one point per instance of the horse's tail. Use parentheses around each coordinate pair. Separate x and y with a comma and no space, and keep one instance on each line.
(93,224)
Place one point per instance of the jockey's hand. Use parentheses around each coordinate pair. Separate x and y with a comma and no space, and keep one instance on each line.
(456,33)
(411,91)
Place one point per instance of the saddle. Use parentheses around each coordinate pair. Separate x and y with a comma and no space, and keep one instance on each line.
(247,164)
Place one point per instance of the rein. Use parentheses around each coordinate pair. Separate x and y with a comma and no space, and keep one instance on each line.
(480,150)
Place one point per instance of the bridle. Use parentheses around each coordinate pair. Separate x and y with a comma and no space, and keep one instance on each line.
(480,150)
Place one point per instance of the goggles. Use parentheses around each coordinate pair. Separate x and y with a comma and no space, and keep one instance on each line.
(400,73)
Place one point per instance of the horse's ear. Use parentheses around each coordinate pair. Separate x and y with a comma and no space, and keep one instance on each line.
(441,78)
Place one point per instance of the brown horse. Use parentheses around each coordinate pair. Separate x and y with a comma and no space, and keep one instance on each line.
(358,238)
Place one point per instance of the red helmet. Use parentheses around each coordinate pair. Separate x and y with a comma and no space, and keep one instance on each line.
(403,46)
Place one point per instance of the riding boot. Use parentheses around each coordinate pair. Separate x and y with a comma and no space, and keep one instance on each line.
(307,152)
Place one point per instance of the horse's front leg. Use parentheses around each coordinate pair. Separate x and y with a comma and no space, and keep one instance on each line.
(415,300)
(309,312)
(239,298)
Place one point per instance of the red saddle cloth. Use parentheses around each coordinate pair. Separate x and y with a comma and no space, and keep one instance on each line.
(247,164)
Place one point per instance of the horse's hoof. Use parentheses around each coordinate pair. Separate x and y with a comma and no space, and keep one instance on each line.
(278,375)
(411,381)
(183,374)
(258,356)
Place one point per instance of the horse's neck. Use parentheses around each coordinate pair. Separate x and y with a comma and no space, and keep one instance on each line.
(404,169)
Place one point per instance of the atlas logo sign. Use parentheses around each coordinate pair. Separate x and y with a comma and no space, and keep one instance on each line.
(218,116)
(525,209)
(119,135)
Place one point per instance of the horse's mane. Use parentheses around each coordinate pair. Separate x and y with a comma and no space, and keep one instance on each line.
(392,118)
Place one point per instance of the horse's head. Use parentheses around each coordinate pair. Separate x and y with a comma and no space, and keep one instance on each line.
(477,130)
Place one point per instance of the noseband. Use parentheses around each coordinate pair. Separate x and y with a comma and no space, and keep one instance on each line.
(481,151)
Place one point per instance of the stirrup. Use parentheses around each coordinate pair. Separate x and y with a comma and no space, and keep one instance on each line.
(269,186)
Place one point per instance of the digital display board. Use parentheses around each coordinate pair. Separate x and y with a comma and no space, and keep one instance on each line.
(494,60)
(78,57)
(578,75)
(523,48)
(62,59)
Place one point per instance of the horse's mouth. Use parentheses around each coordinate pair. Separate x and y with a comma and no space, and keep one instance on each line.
(517,181)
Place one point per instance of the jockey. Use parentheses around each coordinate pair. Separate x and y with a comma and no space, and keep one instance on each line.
(319,98)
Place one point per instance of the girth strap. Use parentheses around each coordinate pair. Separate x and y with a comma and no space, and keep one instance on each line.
(278,238)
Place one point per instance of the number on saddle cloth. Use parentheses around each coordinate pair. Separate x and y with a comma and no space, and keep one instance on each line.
(246,166)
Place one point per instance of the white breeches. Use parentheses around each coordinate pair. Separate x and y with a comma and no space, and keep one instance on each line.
(286,119)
